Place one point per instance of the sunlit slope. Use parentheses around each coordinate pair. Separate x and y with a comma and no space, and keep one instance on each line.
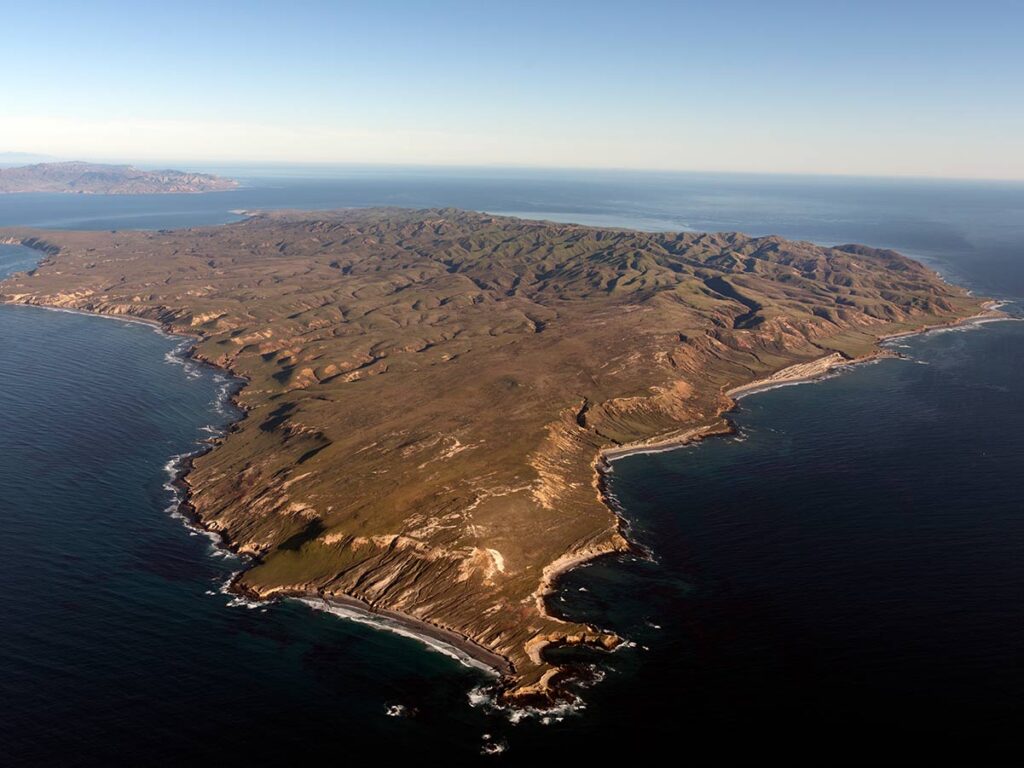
(429,391)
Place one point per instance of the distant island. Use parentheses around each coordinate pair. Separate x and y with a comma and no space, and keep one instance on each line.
(98,179)
(432,397)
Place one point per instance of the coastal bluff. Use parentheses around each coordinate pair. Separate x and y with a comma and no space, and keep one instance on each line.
(430,394)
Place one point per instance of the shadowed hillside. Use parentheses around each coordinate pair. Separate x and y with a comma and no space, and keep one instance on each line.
(430,391)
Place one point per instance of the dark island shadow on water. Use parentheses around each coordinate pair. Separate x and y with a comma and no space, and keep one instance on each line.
(840,582)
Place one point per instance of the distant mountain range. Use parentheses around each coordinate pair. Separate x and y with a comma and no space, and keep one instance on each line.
(100,179)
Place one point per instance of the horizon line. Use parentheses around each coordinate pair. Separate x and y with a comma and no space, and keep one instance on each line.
(165,164)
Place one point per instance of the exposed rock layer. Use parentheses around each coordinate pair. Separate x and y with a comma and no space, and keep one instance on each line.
(430,391)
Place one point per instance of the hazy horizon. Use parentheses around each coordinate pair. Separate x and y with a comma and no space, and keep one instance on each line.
(915,90)
(328,169)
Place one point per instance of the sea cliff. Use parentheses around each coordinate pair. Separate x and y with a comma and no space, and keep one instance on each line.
(432,395)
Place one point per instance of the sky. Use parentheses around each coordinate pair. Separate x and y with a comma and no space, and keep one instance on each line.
(865,88)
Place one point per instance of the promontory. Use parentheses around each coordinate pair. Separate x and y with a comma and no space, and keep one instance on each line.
(430,394)
(99,179)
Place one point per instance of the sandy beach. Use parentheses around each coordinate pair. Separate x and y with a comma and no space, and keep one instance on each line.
(439,638)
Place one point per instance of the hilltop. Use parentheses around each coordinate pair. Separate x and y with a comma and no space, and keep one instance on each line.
(430,394)
(98,179)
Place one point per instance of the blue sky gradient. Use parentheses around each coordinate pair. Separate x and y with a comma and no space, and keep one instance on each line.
(875,88)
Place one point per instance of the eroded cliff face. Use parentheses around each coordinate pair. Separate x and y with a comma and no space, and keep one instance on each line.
(429,391)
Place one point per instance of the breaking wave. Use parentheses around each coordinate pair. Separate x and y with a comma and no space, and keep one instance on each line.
(390,625)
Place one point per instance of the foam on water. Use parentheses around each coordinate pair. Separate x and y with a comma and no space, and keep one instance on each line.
(484,698)
(179,356)
(492,746)
(244,602)
(389,625)
(174,468)
(208,709)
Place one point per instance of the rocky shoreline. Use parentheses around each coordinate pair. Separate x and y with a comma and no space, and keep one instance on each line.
(800,373)
(512,646)
(548,692)
(459,644)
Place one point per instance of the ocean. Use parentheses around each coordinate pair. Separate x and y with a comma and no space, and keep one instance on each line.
(841,581)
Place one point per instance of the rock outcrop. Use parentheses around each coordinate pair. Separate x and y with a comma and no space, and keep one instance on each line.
(429,392)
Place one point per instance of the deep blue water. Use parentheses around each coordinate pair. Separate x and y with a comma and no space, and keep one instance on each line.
(844,581)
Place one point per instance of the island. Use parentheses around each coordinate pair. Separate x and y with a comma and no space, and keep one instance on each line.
(98,179)
(433,397)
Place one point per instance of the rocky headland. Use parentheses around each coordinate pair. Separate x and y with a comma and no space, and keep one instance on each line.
(432,395)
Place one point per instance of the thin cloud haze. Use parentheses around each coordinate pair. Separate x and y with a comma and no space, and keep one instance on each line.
(928,89)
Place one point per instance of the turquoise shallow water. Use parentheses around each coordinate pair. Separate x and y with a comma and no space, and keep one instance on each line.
(844,579)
